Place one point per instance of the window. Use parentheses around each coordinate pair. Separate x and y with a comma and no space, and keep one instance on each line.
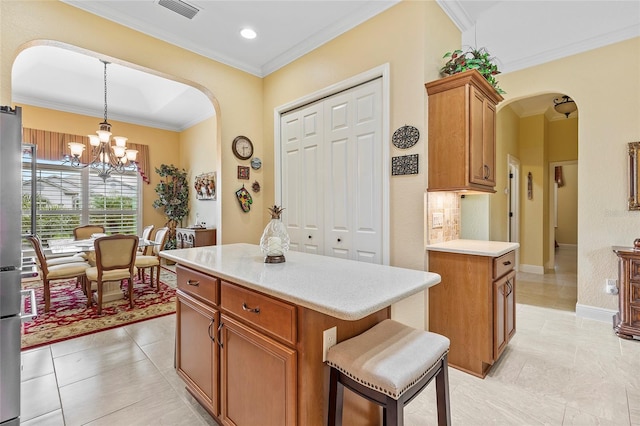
(67,197)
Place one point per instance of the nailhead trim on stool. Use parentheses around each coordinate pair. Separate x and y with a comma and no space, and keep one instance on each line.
(390,364)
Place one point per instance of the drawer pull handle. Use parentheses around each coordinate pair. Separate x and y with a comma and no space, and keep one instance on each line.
(339,240)
(309,236)
(194,283)
(248,309)
(506,263)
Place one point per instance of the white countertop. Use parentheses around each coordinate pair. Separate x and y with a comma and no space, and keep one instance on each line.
(344,289)
(476,247)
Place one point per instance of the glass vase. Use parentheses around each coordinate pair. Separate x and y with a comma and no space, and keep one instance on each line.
(275,241)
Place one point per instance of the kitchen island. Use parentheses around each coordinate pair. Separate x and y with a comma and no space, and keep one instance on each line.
(250,335)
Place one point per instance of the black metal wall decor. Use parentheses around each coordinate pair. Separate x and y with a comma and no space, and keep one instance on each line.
(405,137)
(404,165)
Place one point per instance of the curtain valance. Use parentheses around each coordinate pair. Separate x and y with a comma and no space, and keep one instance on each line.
(53,146)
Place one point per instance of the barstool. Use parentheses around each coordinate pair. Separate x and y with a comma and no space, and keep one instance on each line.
(389,364)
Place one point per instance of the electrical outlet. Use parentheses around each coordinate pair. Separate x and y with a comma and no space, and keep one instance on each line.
(329,338)
(437,220)
(611,286)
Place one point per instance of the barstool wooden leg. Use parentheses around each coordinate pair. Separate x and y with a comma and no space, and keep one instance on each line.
(442,392)
(393,413)
(336,391)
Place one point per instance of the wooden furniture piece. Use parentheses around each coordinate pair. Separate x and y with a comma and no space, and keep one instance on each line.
(153,260)
(389,364)
(462,121)
(626,322)
(115,261)
(195,237)
(249,335)
(474,306)
(85,232)
(57,271)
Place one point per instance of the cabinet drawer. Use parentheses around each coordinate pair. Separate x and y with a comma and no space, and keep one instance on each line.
(264,312)
(198,284)
(503,264)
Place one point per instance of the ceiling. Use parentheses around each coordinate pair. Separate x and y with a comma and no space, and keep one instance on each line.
(71,81)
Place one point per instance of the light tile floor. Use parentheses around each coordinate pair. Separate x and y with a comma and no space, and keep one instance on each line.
(557,370)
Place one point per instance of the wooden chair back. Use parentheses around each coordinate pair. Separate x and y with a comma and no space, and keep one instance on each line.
(116,252)
(161,238)
(36,243)
(85,232)
(146,235)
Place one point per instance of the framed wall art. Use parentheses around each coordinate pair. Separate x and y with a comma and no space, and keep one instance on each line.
(243,172)
(404,165)
(205,186)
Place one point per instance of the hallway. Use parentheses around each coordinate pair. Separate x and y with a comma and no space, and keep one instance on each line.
(556,289)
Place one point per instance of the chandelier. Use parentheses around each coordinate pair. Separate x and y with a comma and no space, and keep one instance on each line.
(564,105)
(107,158)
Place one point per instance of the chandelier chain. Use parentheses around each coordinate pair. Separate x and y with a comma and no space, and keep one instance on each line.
(105,90)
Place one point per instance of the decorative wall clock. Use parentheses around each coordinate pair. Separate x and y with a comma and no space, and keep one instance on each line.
(405,137)
(242,147)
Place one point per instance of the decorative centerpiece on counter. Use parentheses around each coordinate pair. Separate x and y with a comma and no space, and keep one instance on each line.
(275,240)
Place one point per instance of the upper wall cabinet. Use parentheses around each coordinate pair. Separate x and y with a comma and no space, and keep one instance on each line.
(462,133)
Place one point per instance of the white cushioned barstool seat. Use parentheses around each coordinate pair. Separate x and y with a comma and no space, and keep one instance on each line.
(389,364)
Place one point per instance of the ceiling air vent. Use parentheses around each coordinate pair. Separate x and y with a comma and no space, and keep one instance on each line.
(180,7)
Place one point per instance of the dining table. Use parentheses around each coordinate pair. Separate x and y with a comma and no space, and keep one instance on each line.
(67,246)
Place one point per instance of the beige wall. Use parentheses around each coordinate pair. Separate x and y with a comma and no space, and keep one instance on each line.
(411,37)
(507,142)
(163,146)
(236,96)
(567,209)
(603,134)
(198,155)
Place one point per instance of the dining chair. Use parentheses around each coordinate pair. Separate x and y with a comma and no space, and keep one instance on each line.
(85,232)
(115,261)
(146,235)
(57,271)
(151,261)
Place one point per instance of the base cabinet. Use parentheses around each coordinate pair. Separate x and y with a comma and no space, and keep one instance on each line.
(190,237)
(626,323)
(474,306)
(196,349)
(258,378)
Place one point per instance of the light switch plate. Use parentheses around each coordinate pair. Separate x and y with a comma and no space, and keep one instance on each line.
(329,338)
(437,220)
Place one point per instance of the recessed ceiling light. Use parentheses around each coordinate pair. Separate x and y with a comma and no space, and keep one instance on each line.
(248,33)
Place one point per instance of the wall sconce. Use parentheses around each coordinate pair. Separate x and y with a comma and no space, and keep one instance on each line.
(564,105)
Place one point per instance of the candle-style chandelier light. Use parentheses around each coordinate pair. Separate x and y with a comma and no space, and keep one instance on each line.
(107,158)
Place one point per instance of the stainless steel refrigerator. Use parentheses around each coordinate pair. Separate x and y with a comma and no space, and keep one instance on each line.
(11,296)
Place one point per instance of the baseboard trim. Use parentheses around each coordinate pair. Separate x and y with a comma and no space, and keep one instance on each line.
(532,269)
(595,313)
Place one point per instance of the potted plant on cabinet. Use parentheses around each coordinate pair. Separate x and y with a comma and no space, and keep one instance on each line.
(477,59)
(173,198)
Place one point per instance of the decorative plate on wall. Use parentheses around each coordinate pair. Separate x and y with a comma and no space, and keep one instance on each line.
(256,163)
(405,137)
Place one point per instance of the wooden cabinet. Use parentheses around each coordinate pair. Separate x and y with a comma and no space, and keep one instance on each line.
(258,377)
(252,359)
(196,349)
(462,121)
(626,322)
(195,237)
(474,306)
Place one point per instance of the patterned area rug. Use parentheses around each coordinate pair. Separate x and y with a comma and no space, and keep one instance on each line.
(69,317)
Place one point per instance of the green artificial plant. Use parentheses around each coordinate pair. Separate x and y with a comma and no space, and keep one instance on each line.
(173,198)
(477,59)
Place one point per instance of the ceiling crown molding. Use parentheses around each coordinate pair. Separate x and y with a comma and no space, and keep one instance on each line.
(457,14)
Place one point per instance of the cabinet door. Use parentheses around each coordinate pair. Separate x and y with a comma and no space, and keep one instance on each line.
(197,352)
(258,378)
(510,319)
(504,312)
(482,116)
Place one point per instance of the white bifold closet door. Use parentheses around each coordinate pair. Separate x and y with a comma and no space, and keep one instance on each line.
(332,174)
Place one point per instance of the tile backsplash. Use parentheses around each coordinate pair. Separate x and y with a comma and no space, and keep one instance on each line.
(448,204)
